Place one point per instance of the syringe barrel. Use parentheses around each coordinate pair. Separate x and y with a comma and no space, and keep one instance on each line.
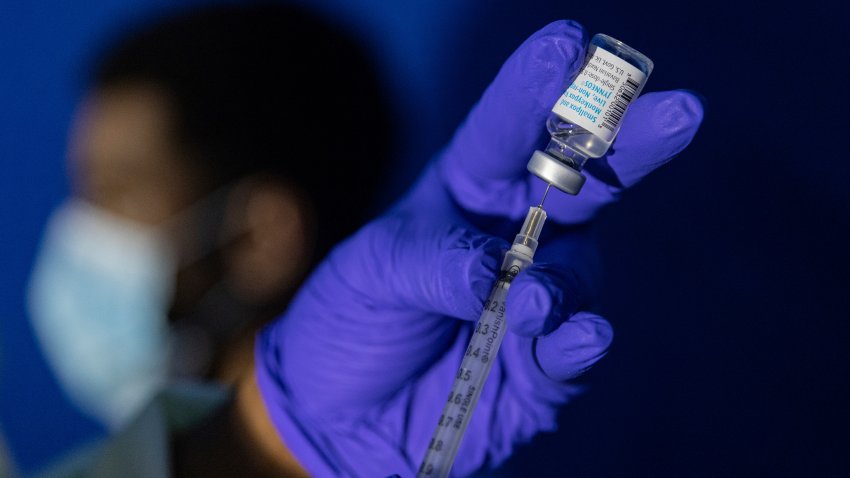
(480,354)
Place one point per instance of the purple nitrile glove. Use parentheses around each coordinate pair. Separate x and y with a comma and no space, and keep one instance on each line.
(355,374)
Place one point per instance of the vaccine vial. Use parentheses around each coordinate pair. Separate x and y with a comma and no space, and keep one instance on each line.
(587,117)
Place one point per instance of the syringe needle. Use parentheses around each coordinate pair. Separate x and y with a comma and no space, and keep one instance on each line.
(544,195)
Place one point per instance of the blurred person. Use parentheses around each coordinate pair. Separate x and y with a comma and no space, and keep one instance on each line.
(214,159)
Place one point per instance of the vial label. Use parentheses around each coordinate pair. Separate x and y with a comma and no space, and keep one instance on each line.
(600,94)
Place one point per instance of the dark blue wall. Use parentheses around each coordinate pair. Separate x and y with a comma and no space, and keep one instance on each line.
(726,272)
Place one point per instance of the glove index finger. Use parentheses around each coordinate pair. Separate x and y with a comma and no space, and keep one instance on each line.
(507,123)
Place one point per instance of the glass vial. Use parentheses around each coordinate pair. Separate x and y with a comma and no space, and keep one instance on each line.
(587,117)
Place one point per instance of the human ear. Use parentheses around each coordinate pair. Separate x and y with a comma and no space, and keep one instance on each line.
(273,250)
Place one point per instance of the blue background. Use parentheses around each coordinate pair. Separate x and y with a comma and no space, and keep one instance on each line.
(726,272)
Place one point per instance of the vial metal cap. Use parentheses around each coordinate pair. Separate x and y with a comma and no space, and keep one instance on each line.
(556,173)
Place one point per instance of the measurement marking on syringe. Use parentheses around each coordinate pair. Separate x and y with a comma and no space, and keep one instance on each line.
(497,325)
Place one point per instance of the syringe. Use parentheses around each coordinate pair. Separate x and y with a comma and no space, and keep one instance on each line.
(481,353)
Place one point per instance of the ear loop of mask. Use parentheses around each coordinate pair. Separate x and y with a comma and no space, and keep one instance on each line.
(208,216)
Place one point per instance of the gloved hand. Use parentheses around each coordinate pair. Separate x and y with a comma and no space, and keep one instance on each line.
(355,374)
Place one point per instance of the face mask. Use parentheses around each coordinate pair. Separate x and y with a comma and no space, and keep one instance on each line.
(98,298)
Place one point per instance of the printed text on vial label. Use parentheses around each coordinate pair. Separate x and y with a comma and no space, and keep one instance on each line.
(600,94)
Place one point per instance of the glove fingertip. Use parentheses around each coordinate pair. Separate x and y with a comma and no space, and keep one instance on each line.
(569,35)
(555,52)
(658,126)
(679,115)
(575,346)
